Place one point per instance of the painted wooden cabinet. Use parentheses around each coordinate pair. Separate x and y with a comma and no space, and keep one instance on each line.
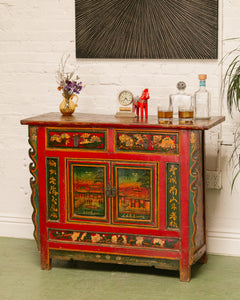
(125,191)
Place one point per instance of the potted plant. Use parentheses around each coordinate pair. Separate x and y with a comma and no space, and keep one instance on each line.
(231,85)
(231,82)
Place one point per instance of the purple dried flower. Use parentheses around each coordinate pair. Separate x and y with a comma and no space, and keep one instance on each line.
(67,84)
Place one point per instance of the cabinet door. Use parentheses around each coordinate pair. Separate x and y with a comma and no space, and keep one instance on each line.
(135,198)
(87,191)
(133,192)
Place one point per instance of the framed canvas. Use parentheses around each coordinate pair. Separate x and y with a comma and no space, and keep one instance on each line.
(162,29)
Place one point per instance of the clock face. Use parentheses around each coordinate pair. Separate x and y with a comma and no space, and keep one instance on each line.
(125,98)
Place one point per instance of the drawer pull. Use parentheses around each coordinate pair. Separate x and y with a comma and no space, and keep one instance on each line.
(108,191)
(145,144)
(76,141)
(114,192)
(111,192)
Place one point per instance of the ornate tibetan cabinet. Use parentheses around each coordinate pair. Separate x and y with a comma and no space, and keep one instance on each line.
(125,191)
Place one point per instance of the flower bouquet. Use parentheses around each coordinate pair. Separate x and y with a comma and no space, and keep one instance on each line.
(70,87)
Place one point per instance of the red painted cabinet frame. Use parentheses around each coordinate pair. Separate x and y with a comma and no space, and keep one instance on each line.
(130,194)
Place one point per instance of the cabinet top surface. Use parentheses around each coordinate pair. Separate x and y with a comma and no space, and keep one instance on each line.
(97,120)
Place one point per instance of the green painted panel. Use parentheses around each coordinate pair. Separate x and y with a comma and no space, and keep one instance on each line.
(196,193)
(52,176)
(172,195)
(114,239)
(76,139)
(159,143)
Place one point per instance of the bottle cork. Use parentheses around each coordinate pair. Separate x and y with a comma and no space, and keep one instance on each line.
(202,76)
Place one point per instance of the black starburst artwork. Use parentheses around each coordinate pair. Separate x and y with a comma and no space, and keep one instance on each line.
(167,29)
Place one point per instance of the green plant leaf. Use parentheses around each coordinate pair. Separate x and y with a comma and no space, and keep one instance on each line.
(234,179)
(231,83)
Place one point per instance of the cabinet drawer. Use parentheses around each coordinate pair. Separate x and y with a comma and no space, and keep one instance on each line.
(85,139)
(158,142)
(113,239)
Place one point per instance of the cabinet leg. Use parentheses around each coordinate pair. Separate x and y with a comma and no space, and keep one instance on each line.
(203,259)
(185,273)
(46,262)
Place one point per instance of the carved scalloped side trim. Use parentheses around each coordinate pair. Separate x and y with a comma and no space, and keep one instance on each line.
(33,168)
(194,173)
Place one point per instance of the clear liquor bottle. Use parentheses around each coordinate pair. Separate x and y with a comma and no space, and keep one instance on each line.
(181,98)
(202,99)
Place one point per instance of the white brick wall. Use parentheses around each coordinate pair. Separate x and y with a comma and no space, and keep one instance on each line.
(33,36)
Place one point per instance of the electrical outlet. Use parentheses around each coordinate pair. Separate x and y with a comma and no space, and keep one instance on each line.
(213,180)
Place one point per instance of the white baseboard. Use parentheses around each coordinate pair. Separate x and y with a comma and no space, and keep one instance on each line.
(221,243)
(17,227)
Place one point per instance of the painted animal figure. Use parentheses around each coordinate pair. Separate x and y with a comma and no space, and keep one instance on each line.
(142,104)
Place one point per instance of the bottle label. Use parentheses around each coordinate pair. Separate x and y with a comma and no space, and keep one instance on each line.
(202,83)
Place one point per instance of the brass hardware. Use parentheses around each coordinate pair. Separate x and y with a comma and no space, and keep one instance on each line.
(114,192)
(76,141)
(111,192)
(125,109)
(108,191)
(145,144)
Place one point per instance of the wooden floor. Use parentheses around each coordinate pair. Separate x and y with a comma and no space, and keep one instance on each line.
(21,278)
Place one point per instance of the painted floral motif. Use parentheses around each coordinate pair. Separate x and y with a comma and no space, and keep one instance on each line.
(60,138)
(165,143)
(87,138)
(140,138)
(193,138)
(162,143)
(76,139)
(114,239)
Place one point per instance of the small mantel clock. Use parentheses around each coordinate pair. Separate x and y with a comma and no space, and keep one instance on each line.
(125,98)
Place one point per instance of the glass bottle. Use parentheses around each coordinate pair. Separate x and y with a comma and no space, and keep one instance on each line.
(180,98)
(202,99)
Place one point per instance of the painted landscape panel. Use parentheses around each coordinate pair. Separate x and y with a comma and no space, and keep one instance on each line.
(89,190)
(134,199)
